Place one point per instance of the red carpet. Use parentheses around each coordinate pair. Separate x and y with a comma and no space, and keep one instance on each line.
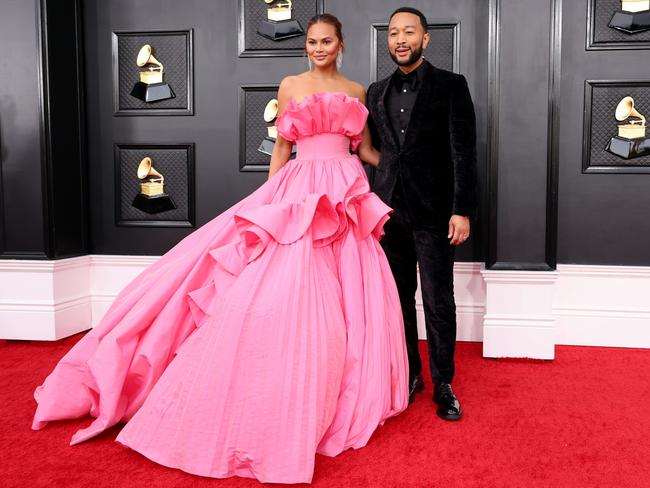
(581,420)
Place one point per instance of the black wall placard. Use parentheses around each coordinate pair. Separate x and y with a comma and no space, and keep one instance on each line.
(176,163)
(252,126)
(601,36)
(253,12)
(174,50)
(600,125)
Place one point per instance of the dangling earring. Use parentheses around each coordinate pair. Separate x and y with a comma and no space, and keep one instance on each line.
(309,64)
(339,60)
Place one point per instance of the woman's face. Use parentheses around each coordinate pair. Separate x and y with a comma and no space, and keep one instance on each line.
(322,44)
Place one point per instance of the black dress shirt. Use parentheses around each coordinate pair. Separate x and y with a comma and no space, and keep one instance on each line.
(401,99)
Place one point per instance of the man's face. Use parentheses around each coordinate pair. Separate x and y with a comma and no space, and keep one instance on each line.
(406,38)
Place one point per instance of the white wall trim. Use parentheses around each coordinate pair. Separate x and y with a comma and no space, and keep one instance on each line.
(603,306)
(519,320)
(590,305)
(50,300)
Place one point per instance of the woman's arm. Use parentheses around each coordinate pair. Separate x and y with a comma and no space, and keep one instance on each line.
(280,156)
(367,153)
(282,148)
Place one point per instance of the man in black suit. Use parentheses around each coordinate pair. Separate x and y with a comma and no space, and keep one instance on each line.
(422,119)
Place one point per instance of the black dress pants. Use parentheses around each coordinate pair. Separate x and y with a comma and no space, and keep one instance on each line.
(407,245)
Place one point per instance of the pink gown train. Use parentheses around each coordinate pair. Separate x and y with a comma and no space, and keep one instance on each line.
(271,333)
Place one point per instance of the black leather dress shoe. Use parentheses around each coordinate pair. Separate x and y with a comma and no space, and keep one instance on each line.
(415,385)
(448,405)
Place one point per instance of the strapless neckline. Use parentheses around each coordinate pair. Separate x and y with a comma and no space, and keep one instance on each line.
(323,112)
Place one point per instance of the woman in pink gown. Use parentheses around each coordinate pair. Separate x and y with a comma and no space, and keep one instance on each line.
(271,333)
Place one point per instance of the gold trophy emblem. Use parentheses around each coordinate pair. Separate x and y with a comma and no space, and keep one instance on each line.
(634,17)
(635,5)
(152,197)
(278,24)
(634,128)
(270,114)
(280,11)
(151,87)
(631,141)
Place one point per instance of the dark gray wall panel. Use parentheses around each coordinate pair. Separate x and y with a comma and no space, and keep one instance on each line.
(521,162)
(21,225)
(602,217)
(63,129)
(42,175)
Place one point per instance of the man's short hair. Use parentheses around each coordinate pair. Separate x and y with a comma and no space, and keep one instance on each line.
(414,11)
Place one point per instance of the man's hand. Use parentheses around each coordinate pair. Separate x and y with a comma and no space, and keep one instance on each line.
(458,229)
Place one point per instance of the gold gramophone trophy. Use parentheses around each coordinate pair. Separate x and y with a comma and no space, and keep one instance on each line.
(631,141)
(278,24)
(151,87)
(152,197)
(270,114)
(634,17)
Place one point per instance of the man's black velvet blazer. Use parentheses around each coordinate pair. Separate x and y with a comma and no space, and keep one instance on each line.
(438,159)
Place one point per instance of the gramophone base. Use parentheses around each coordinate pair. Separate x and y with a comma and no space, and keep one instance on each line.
(267,144)
(628,148)
(631,22)
(277,31)
(153,204)
(152,92)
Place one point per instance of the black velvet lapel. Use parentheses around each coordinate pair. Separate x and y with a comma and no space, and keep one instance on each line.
(429,79)
(383,123)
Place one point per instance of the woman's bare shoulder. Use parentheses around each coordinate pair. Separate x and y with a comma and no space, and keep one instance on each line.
(294,84)
(355,89)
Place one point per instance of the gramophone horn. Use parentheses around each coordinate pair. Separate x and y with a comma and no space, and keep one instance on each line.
(146,169)
(625,109)
(271,110)
(145,57)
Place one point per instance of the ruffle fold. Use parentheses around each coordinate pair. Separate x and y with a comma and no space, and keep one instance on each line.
(324,112)
(316,217)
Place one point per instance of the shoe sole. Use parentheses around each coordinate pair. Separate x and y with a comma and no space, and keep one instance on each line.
(450,417)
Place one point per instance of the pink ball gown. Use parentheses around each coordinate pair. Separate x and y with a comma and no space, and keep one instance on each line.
(271,333)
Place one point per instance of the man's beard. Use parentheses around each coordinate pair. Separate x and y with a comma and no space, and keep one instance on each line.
(415,55)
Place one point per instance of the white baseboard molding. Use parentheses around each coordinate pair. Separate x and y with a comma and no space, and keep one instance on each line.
(603,306)
(519,337)
(50,300)
(519,319)
(591,305)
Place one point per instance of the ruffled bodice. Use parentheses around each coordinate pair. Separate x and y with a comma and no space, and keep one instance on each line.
(324,113)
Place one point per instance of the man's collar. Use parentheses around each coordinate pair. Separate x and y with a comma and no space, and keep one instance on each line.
(412,79)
